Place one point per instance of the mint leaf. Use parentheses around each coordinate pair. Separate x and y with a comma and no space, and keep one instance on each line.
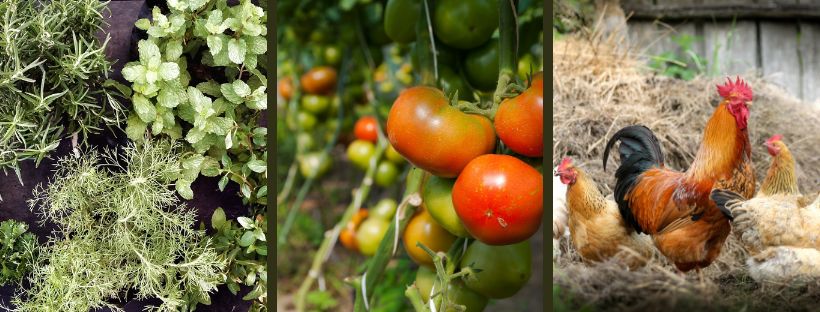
(241,88)
(146,111)
(237,50)
(169,71)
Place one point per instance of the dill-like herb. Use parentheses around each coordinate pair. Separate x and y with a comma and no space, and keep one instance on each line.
(121,228)
(53,74)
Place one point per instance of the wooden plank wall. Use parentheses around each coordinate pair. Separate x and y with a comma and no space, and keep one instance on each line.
(784,50)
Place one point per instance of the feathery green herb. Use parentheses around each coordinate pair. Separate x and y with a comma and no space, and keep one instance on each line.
(121,229)
(53,76)
(18,249)
(198,79)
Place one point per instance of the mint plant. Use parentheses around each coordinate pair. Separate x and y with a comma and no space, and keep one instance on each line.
(199,80)
(243,245)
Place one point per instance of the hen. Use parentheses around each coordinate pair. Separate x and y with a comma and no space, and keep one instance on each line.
(674,207)
(596,228)
(778,215)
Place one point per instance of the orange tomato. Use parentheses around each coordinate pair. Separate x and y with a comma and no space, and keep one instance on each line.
(422,228)
(319,80)
(285,87)
(348,235)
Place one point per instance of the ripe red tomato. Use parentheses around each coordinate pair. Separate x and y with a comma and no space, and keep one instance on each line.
(285,87)
(366,129)
(519,121)
(499,199)
(435,136)
(319,80)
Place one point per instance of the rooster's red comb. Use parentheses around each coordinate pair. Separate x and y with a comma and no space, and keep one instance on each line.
(735,90)
(566,162)
(774,138)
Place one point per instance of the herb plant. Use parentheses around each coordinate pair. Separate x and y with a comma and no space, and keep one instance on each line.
(17,251)
(243,245)
(198,80)
(121,228)
(53,76)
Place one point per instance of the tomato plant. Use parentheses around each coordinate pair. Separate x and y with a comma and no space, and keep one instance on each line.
(319,80)
(430,134)
(465,24)
(497,271)
(481,66)
(519,121)
(422,229)
(366,129)
(359,153)
(437,198)
(499,199)
(400,18)
(348,235)
(370,234)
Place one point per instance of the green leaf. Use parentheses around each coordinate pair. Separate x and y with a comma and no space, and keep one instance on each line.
(173,50)
(214,43)
(210,167)
(246,223)
(134,72)
(218,218)
(237,49)
(230,94)
(210,87)
(148,51)
(257,45)
(257,165)
(241,88)
(193,161)
(183,187)
(135,129)
(247,239)
(169,71)
(144,108)
(223,182)
(143,24)
(168,98)
(194,135)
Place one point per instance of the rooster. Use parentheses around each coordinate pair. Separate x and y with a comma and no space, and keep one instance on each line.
(674,207)
(777,216)
(596,228)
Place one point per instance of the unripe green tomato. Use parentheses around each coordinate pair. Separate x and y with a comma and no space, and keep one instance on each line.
(315,104)
(524,64)
(384,209)
(386,173)
(370,234)
(313,165)
(306,120)
(392,155)
(465,24)
(332,55)
(359,153)
(400,17)
(504,269)
(481,66)
(305,142)
(437,198)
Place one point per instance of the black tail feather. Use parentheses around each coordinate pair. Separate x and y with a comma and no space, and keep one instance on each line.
(639,151)
(724,198)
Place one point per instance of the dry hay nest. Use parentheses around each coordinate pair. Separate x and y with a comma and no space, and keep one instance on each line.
(600,87)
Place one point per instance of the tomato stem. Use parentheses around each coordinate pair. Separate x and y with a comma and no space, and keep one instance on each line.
(426,48)
(414,295)
(507,49)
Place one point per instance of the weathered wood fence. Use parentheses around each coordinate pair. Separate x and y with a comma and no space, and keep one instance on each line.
(777,39)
